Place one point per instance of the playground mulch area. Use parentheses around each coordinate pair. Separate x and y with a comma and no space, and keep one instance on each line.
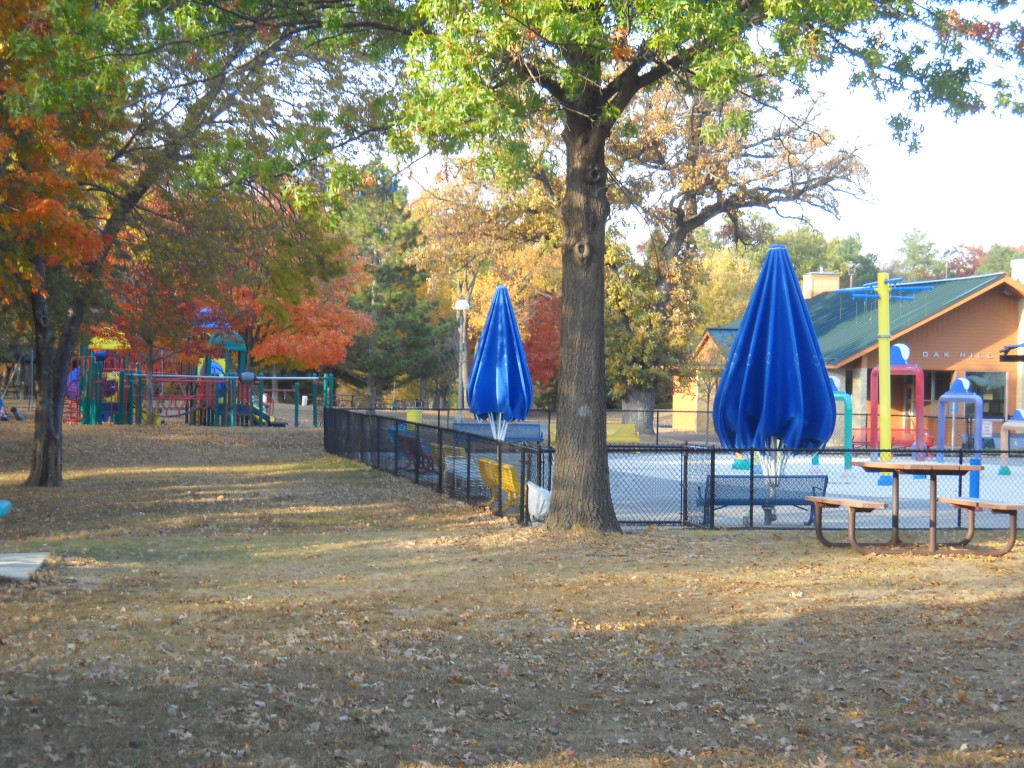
(235,597)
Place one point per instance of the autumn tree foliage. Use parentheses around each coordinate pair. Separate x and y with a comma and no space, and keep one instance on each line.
(477,233)
(998,258)
(190,95)
(286,282)
(541,337)
(688,160)
(51,241)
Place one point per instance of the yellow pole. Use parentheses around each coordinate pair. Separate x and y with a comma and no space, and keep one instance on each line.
(884,374)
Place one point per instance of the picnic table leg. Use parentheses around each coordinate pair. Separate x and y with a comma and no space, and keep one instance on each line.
(970,530)
(933,514)
(894,541)
(1011,537)
(818,511)
(867,548)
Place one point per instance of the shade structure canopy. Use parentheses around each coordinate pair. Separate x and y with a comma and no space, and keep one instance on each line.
(500,389)
(775,391)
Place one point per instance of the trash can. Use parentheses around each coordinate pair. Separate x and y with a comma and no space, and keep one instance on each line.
(414,415)
(305,400)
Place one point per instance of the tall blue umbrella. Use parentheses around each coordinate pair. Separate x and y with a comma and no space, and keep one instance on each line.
(500,389)
(775,392)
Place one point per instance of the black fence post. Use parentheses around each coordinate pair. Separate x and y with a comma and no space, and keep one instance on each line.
(711,491)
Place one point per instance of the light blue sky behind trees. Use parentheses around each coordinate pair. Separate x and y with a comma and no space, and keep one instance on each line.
(963,187)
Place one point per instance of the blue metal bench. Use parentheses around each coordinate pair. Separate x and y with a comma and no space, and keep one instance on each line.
(735,491)
(517,432)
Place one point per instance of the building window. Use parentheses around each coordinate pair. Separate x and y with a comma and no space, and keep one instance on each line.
(991,385)
(936,384)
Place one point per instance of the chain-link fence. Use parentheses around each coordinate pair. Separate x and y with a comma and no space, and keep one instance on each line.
(683,484)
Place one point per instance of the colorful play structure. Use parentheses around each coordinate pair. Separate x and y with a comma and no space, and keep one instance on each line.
(915,438)
(105,385)
(1013,425)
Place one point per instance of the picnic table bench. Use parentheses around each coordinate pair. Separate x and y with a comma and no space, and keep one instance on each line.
(735,491)
(973,505)
(516,431)
(854,506)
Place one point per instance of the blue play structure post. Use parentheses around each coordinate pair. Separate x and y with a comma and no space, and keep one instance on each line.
(960,392)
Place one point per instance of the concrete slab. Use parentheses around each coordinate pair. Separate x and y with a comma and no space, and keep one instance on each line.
(20,565)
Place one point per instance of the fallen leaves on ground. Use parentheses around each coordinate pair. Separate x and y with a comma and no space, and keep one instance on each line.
(235,597)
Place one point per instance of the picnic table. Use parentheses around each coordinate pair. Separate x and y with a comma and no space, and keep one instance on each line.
(933,470)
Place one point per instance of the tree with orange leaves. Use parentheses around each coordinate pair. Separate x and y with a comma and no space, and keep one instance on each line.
(49,162)
(194,96)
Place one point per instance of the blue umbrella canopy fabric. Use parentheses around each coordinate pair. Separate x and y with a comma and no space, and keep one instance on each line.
(500,388)
(775,391)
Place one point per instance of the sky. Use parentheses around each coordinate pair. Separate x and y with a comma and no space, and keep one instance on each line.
(965,186)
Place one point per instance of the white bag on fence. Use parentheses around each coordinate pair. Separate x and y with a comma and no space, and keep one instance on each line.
(538,502)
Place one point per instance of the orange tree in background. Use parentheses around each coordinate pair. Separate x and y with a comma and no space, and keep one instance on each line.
(285,283)
(477,234)
(52,242)
(193,96)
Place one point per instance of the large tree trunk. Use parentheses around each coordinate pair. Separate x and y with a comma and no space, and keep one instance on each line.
(581,493)
(52,361)
(638,409)
(372,393)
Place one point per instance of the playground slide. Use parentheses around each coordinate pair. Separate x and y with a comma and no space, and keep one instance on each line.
(260,416)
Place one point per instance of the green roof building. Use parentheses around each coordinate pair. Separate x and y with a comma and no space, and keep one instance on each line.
(955,327)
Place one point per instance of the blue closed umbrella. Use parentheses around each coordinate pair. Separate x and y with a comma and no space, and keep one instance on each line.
(500,388)
(775,391)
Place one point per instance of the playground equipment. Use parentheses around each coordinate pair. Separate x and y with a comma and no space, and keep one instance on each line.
(883,290)
(105,385)
(1014,424)
(101,388)
(230,400)
(880,387)
(959,393)
(847,401)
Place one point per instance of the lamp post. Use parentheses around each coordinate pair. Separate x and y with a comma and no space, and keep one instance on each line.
(462,307)
(949,252)
(851,270)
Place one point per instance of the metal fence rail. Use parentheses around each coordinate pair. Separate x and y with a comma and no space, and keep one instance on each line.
(447,460)
(680,485)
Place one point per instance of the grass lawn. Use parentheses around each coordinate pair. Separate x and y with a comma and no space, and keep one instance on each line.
(234,597)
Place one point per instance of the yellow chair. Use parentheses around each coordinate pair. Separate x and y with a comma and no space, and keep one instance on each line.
(501,479)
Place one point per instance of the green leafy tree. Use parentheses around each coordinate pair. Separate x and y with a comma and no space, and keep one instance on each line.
(411,337)
(410,340)
(482,69)
(999,257)
(919,258)
(650,316)
(846,256)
